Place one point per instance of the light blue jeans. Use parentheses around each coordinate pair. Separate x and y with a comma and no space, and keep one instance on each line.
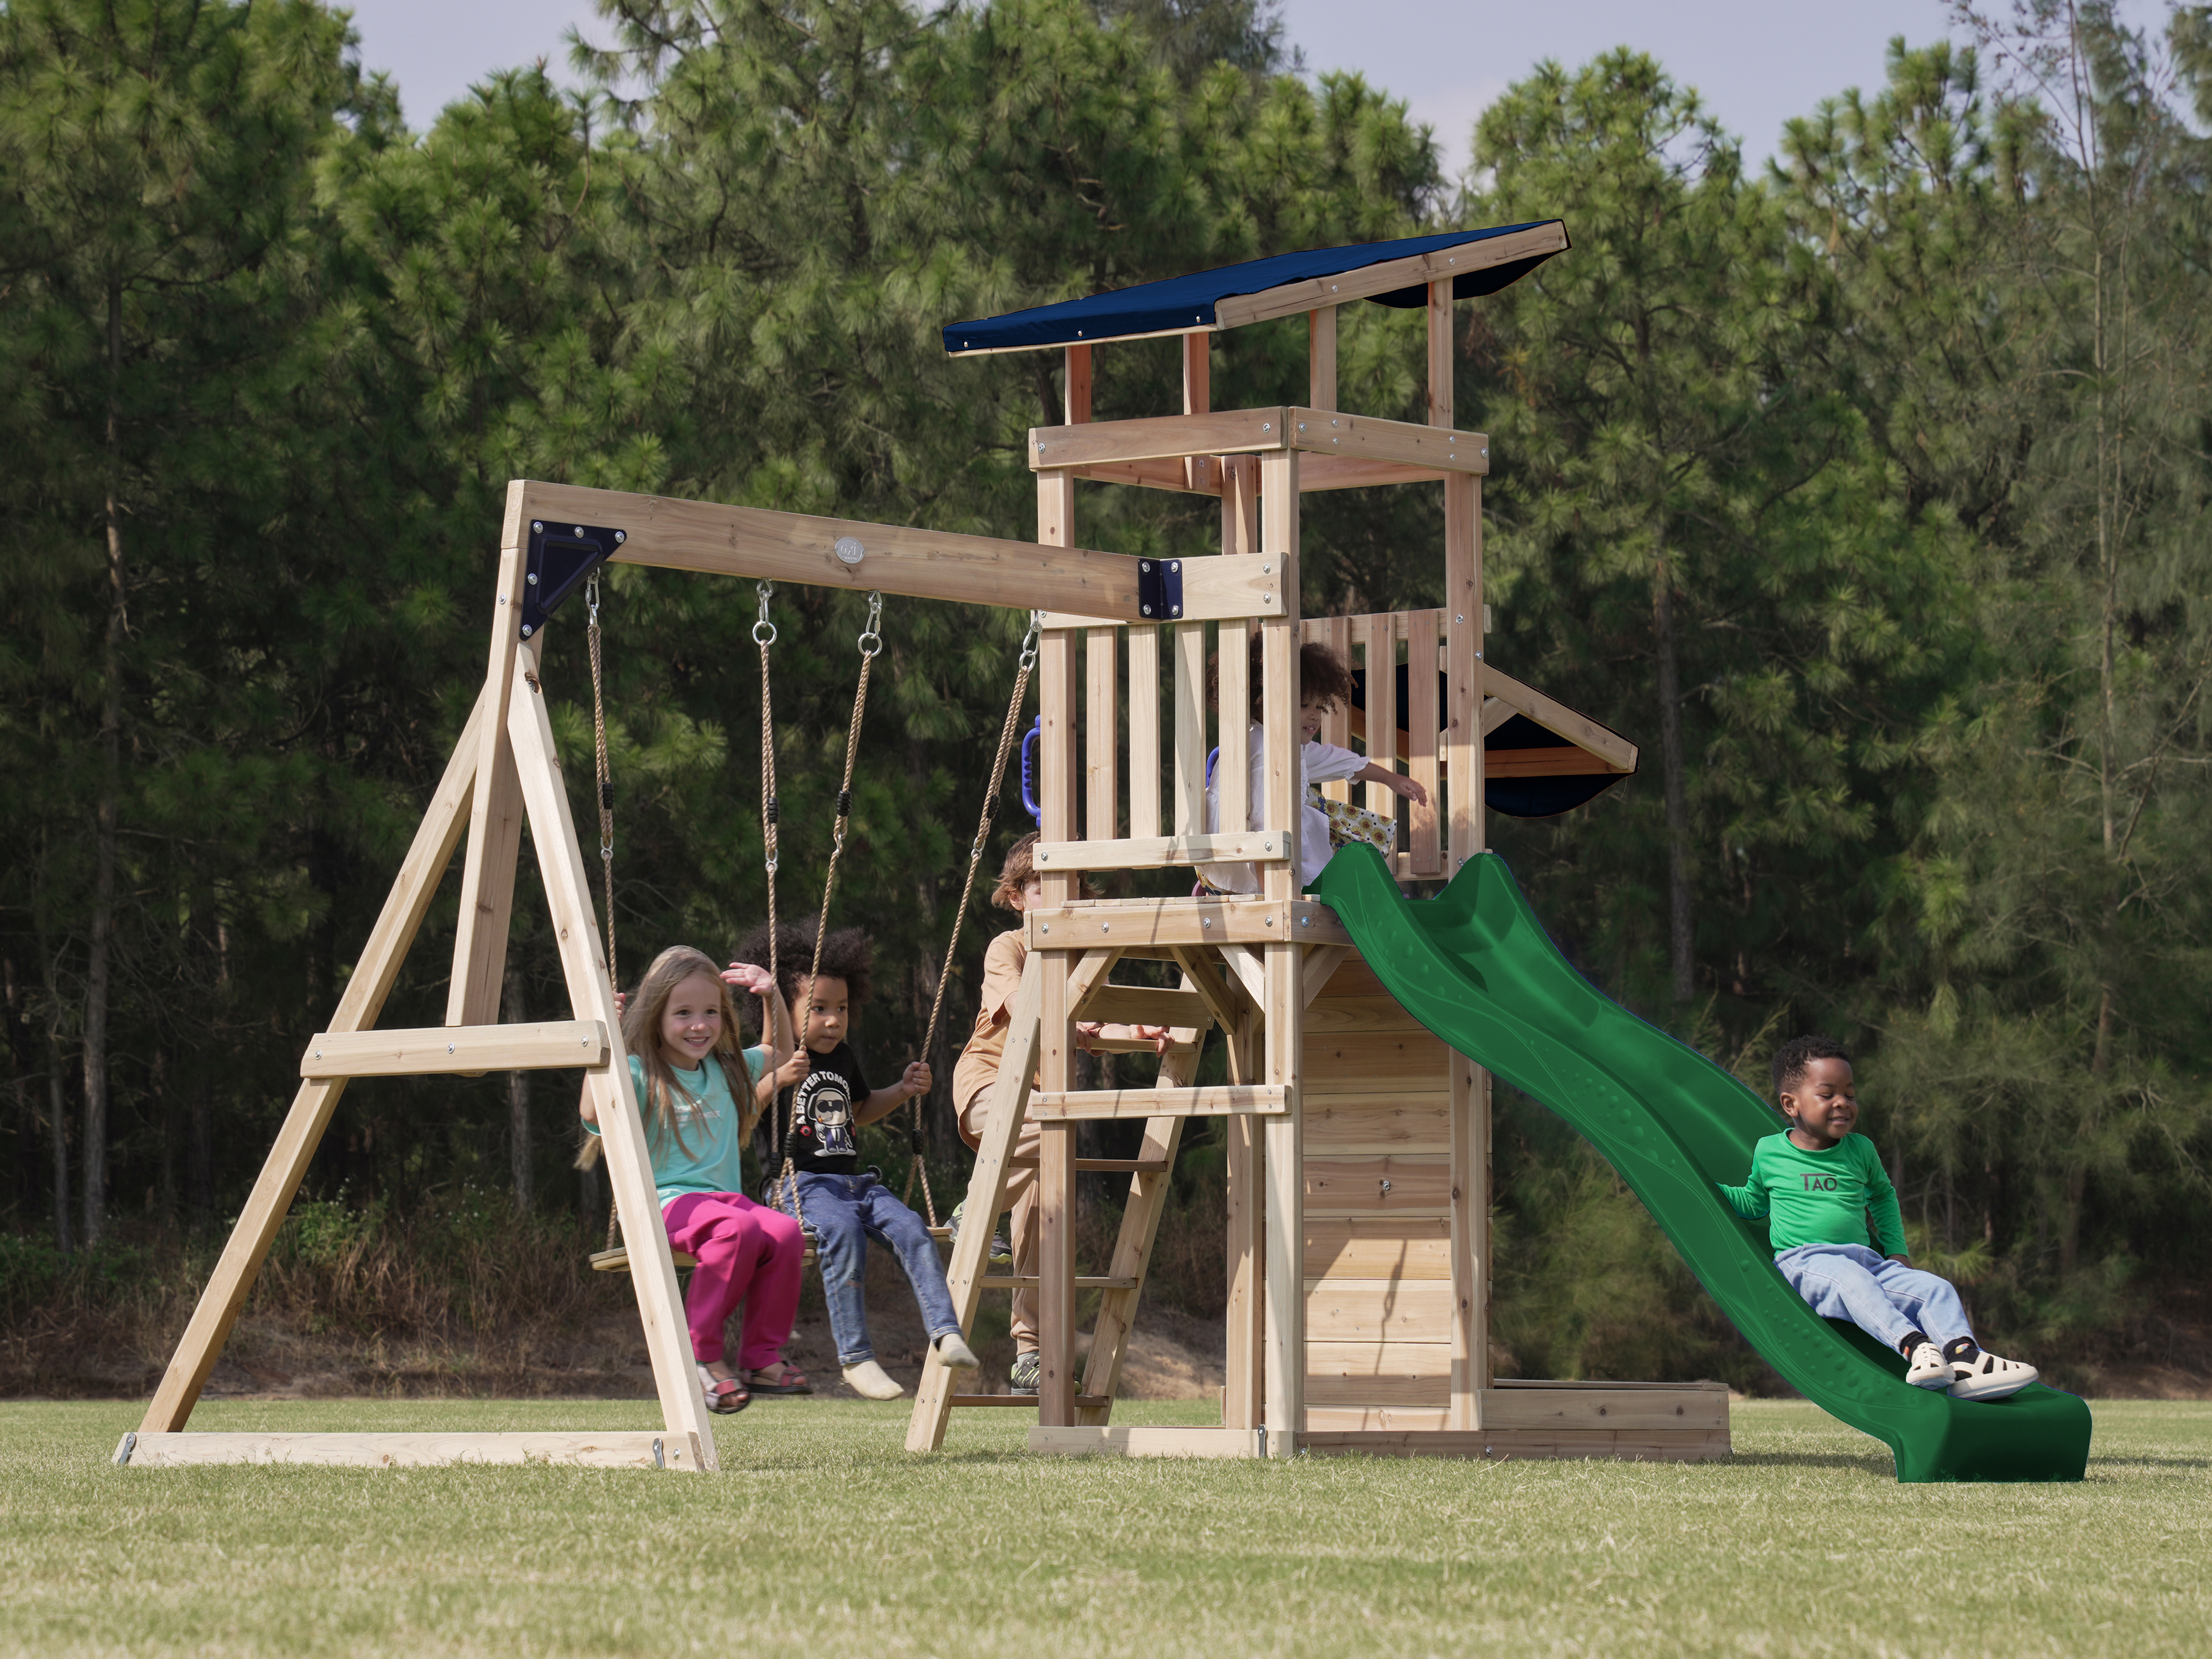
(846,1212)
(1882,1298)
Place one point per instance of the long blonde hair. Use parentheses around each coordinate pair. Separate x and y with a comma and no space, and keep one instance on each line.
(641,1036)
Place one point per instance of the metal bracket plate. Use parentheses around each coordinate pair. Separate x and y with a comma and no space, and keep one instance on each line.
(1160,589)
(561,556)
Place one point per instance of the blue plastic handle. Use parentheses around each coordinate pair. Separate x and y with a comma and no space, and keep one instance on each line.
(1029,772)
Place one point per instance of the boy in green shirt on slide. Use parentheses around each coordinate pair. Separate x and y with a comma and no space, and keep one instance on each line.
(1821,1183)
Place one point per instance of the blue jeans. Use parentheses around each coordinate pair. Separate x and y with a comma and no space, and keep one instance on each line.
(846,1212)
(1882,1298)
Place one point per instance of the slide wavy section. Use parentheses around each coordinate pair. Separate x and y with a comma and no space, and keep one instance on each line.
(1475,966)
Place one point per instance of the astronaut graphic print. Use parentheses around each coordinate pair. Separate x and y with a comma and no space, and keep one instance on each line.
(822,1108)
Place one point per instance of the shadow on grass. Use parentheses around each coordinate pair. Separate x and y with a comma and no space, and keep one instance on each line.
(1877,1463)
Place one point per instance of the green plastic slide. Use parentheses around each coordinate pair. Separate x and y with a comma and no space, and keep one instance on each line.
(1475,966)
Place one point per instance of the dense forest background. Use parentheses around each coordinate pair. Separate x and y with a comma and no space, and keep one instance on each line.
(1866,491)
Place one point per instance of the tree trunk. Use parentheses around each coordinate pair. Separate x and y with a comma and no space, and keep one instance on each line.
(58,1115)
(200,1160)
(1681,934)
(517,1103)
(105,818)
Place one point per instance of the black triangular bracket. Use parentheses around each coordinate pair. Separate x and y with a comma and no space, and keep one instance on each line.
(1160,589)
(561,556)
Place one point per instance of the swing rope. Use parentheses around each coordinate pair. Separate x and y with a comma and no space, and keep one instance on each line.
(764,636)
(870,645)
(984,820)
(604,777)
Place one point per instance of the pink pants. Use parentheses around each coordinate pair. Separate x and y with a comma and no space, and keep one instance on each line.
(747,1252)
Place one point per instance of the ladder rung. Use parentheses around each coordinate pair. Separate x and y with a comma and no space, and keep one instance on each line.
(1103,1165)
(1085,1401)
(1023,1281)
(1213,1100)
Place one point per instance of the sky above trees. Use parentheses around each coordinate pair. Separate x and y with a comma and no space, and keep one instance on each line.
(1757,63)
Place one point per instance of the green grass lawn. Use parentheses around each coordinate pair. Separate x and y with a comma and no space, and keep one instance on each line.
(823,1537)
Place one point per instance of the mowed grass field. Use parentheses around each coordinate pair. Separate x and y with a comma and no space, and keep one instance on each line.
(823,1537)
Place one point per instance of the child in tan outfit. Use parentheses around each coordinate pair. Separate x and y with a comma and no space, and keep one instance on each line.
(1019,888)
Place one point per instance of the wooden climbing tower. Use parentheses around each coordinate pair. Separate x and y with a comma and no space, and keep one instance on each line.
(1357,1144)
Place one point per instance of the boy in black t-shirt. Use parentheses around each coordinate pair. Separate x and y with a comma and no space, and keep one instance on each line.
(819,1117)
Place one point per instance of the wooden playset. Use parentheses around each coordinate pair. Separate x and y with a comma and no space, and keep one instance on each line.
(1358,1143)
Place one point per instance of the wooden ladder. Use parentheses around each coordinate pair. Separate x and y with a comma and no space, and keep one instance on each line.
(1084,993)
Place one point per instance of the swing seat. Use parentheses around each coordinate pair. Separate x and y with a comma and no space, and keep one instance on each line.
(616,1260)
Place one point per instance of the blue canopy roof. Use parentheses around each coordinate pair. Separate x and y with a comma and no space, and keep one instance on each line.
(1189,302)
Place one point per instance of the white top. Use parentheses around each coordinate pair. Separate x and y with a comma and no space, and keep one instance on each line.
(1318,762)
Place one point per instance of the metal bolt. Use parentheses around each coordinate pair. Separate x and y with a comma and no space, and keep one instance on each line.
(1301,426)
(1266,426)
(1145,566)
(1478,656)
(525,630)
(1148,612)
(1044,858)
(532,578)
(536,528)
(1332,287)
(1047,928)
(449,1048)
(1175,564)
(1267,570)
(1271,922)
(1305,921)
(1105,927)
(1205,921)
(580,529)
(1486,452)
(1459,618)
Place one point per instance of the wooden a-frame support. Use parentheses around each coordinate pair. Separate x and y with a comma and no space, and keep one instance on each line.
(503,769)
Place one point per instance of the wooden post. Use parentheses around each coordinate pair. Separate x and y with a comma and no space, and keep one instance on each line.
(1055,1204)
(1284,1013)
(1189,728)
(1076,393)
(1320,357)
(444,822)
(622,1130)
(495,819)
(1463,765)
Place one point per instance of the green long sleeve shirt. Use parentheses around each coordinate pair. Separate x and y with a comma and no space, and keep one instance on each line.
(1820,1197)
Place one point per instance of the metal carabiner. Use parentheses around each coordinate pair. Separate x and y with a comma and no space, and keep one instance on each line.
(591,595)
(871,641)
(1030,640)
(764,630)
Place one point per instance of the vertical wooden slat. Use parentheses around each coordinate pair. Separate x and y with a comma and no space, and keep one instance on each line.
(1055,1206)
(496,818)
(1383,708)
(1320,357)
(1335,633)
(1102,741)
(1423,718)
(1198,470)
(1144,731)
(1189,728)
(1284,1283)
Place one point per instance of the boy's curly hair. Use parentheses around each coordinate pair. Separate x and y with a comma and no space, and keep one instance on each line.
(1020,869)
(847,954)
(1791,1059)
(1323,676)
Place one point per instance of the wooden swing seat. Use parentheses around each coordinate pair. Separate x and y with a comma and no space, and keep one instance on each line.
(616,1260)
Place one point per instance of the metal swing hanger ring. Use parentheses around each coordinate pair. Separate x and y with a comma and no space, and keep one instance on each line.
(1030,640)
(764,630)
(871,641)
(591,595)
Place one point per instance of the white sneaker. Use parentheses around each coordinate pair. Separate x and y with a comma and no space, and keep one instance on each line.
(871,1382)
(1986,1377)
(956,1353)
(1930,1369)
